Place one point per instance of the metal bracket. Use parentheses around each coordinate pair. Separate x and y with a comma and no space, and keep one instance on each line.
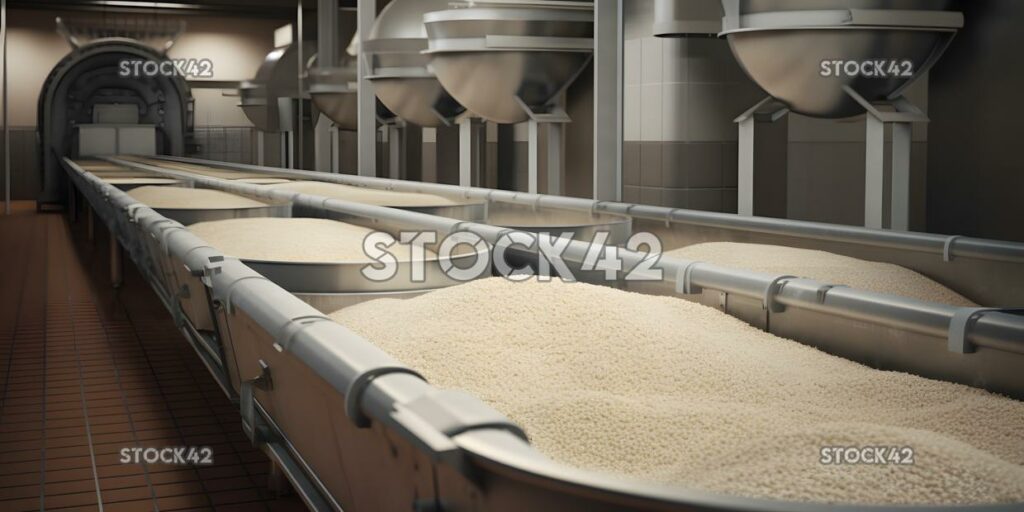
(823,291)
(283,340)
(354,393)
(961,323)
(947,248)
(257,433)
(684,280)
(769,303)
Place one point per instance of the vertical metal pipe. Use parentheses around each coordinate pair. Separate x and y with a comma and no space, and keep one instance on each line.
(326,33)
(301,65)
(260,151)
(394,152)
(533,158)
(608,86)
(335,150)
(7,127)
(901,141)
(874,172)
(466,152)
(366,12)
(555,165)
(326,57)
(745,177)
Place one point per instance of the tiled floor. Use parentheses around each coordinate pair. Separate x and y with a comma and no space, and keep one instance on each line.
(86,371)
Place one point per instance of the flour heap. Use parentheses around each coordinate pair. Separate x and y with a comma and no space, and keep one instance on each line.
(823,266)
(670,391)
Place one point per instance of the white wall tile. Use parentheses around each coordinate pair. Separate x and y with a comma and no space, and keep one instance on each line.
(631,112)
(651,114)
(675,60)
(652,48)
(674,122)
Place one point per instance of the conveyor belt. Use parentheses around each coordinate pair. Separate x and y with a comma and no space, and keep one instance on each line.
(85,372)
(398,442)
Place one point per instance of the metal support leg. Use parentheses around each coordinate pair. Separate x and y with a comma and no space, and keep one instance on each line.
(608,87)
(767,110)
(745,180)
(874,173)
(901,140)
(335,150)
(395,136)
(116,264)
(554,160)
(533,148)
(322,144)
(367,145)
(260,152)
(471,151)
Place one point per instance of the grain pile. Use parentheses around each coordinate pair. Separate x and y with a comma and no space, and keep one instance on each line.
(825,267)
(292,240)
(365,195)
(674,392)
(180,198)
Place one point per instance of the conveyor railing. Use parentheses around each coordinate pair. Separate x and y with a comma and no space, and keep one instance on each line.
(401,443)
(990,272)
(974,346)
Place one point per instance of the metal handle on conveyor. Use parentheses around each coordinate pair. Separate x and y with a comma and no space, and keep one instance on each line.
(963,320)
(769,303)
(354,393)
(684,280)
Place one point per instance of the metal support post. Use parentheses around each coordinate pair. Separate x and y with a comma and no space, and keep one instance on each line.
(767,110)
(556,164)
(395,144)
(901,120)
(874,172)
(901,141)
(472,137)
(608,35)
(367,145)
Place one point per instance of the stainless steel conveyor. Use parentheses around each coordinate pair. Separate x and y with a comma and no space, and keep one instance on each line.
(989,272)
(354,429)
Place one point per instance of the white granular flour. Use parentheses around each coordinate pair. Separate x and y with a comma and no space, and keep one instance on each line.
(365,195)
(823,266)
(180,198)
(670,391)
(292,240)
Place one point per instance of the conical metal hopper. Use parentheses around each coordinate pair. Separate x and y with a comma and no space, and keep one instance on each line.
(810,54)
(401,78)
(277,78)
(501,58)
(335,92)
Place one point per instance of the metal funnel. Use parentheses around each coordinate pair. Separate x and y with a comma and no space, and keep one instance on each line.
(809,53)
(401,78)
(502,59)
(277,78)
